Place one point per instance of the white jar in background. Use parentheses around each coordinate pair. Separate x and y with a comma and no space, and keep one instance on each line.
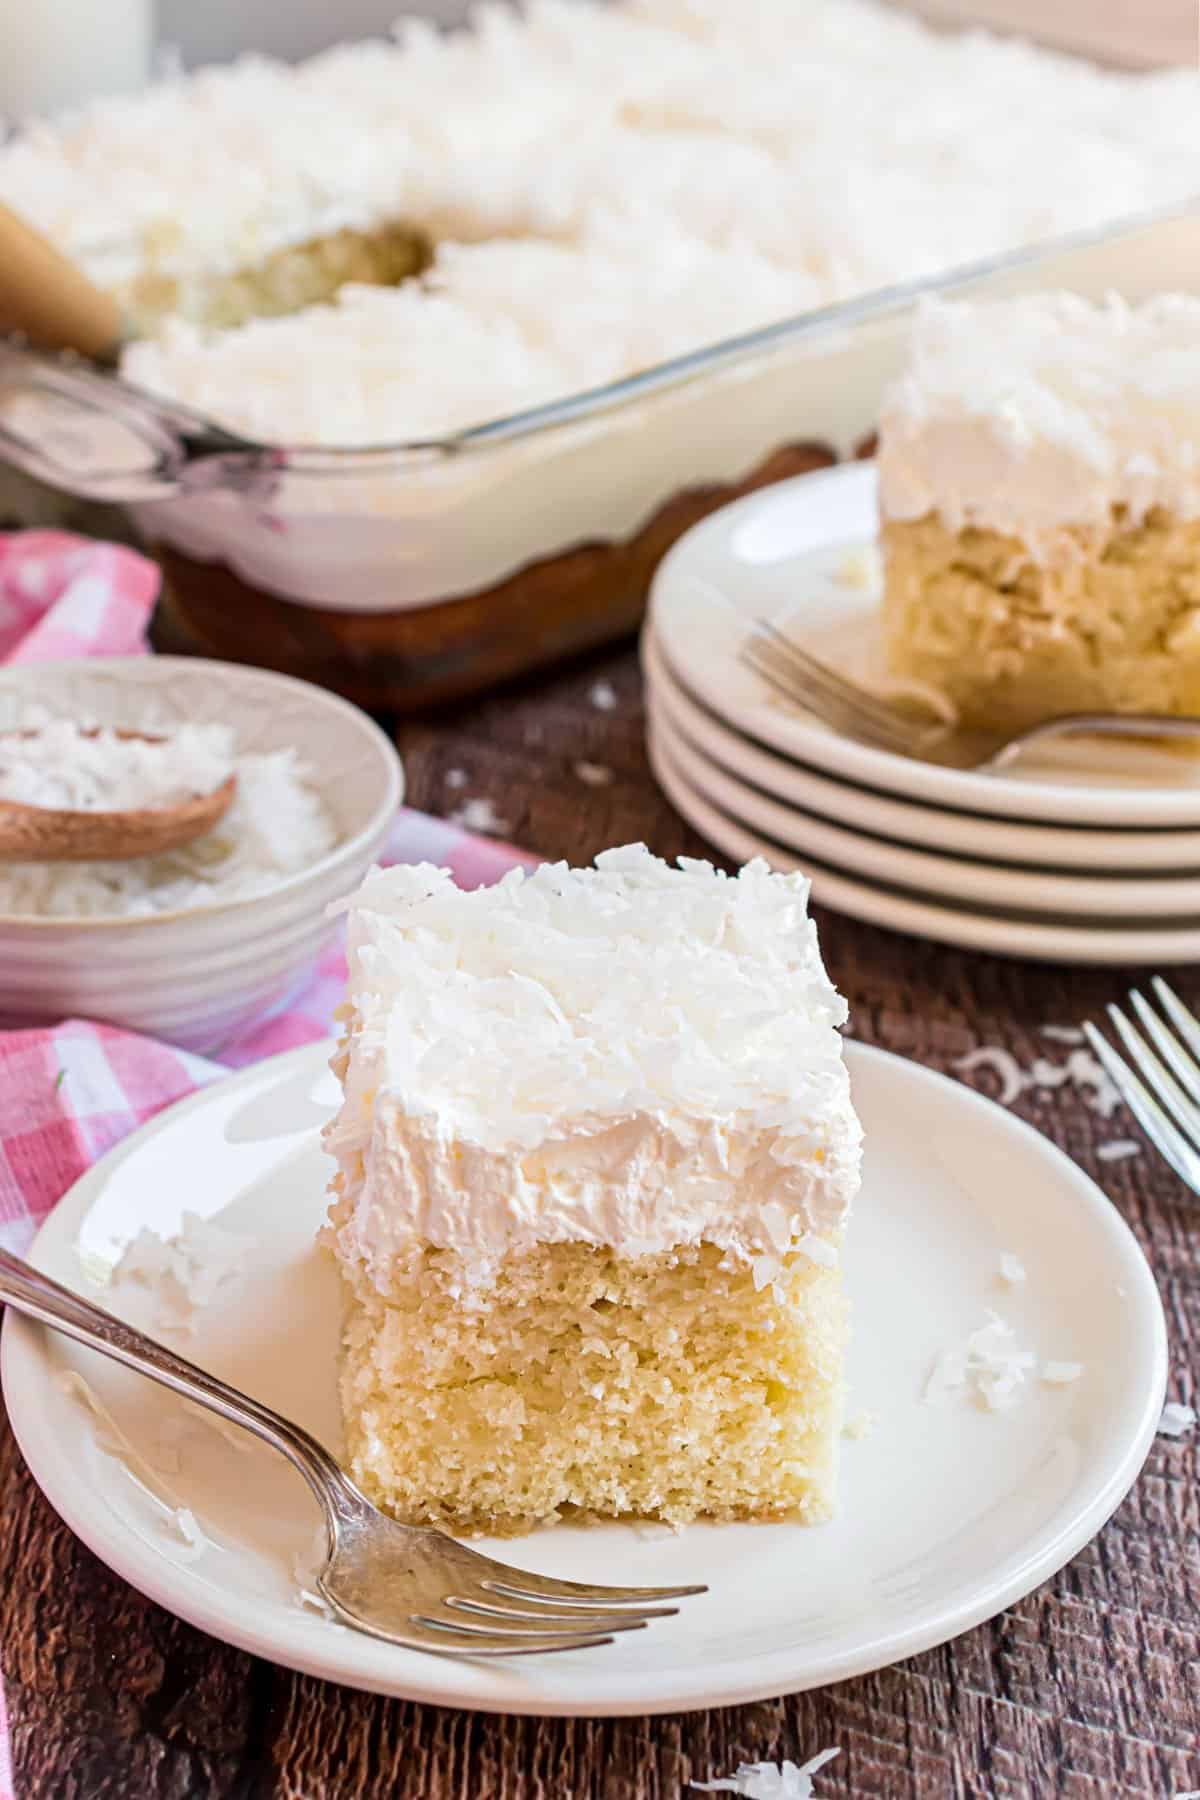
(58,53)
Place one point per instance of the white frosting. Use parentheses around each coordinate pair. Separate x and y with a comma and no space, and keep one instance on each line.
(715,163)
(1031,415)
(631,1055)
(494,329)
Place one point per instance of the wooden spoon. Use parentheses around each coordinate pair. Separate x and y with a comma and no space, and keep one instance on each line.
(69,834)
(45,297)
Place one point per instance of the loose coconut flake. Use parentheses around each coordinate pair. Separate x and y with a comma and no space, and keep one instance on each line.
(193,1541)
(603,696)
(1118,1149)
(184,1272)
(1060,1374)
(1177,1420)
(770,1781)
(1081,1071)
(479,815)
(989,1368)
(1011,1270)
(594,774)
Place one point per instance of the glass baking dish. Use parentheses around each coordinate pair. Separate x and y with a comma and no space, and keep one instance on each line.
(409,574)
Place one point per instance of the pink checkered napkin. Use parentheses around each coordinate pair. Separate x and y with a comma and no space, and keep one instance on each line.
(70,1092)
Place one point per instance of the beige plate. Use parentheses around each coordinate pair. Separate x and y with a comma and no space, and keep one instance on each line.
(948,1514)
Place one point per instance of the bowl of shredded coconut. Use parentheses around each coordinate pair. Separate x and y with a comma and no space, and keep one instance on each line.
(196,943)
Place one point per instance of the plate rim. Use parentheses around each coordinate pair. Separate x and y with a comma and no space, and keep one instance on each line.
(930,920)
(665,690)
(1064,892)
(508,1690)
(952,789)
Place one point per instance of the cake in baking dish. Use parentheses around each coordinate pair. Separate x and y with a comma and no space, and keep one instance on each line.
(594,1157)
(566,193)
(1039,467)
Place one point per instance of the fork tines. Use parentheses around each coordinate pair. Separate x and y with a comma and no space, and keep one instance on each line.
(808,682)
(1162,1088)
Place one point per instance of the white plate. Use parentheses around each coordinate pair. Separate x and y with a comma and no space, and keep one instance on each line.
(926,827)
(948,1514)
(925,916)
(782,554)
(978,884)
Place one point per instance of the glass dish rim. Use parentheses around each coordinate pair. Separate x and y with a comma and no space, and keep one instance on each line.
(583,406)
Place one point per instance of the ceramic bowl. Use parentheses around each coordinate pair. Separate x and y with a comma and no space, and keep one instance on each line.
(199,976)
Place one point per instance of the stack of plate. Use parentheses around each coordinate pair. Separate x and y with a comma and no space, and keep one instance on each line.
(1089,854)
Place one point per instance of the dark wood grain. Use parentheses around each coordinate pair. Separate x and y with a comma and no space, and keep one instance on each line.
(1090,1687)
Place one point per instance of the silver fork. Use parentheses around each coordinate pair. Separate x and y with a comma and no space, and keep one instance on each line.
(798,676)
(411,1585)
(1162,1089)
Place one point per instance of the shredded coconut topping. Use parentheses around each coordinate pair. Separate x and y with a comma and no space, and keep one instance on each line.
(1033,415)
(61,764)
(656,176)
(275,826)
(631,1054)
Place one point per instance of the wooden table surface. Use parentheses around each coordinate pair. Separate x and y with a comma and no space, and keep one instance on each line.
(1090,1687)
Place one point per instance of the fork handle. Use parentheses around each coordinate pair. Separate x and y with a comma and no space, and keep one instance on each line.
(28,1291)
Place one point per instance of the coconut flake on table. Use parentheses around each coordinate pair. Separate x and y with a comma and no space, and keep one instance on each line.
(1117,1149)
(479,815)
(1177,1420)
(594,774)
(1081,1071)
(603,696)
(62,764)
(276,826)
(769,1780)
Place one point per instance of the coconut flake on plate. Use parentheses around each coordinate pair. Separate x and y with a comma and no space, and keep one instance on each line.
(59,763)
(184,1272)
(1060,1374)
(193,1541)
(989,1367)
(1011,1270)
